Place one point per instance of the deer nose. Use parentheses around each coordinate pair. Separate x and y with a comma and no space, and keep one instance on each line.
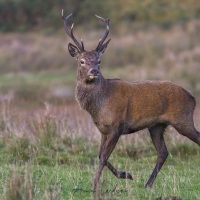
(94,72)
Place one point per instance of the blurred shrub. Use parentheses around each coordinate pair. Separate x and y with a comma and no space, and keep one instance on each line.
(23,15)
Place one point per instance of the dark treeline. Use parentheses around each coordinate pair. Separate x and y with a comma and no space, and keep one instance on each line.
(25,15)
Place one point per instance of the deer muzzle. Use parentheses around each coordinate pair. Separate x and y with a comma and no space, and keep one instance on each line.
(93,73)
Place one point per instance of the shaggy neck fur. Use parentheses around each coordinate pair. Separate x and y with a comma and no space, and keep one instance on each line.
(90,96)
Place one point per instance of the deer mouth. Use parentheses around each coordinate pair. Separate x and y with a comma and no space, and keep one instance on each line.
(91,77)
(93,74)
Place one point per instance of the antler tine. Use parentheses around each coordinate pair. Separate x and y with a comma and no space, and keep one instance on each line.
(106,22)
(82,45)
(70,31)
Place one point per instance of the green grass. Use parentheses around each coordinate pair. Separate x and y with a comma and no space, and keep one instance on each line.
(36,87)
(34,78)
(54,167)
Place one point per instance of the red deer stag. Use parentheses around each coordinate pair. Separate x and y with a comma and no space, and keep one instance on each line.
(119,107)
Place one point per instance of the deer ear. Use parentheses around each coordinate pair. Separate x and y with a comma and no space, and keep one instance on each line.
(103,47)
(73,50)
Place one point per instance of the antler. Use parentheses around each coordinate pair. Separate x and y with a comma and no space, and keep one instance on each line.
(70,32)
(101,41)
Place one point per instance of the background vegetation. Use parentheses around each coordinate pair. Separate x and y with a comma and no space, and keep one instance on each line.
(48,146)
(25,15)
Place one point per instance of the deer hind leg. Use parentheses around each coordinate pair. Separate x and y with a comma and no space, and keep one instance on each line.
(156,134)
(187,129)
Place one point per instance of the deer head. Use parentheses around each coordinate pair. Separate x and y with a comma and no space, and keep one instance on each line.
(88,61)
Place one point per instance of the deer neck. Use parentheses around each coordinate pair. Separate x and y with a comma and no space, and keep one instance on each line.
(90,96)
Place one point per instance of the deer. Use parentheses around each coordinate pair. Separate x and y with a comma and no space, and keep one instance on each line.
(119,107)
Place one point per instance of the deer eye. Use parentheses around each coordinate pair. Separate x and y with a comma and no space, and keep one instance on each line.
(82,62)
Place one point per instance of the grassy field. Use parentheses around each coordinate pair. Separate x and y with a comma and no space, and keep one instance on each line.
(49,147)
(37,64)
(51,153)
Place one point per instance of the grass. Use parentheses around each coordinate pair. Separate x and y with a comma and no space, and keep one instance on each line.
(34,88)
(73,180)
(53,155)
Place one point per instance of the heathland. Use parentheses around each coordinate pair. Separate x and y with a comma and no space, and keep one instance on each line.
(48,145)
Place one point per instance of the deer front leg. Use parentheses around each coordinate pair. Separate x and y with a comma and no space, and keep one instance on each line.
(108,143)
(118,174)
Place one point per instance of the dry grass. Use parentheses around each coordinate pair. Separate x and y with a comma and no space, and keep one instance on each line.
(20,186)
(68,120)
(167,53)
(154,53)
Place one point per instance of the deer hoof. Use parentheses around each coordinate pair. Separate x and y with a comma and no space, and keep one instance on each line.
(129,176)
(148,185)
(125,175)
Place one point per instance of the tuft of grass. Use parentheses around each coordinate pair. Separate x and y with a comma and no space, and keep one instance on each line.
(46,145)
(19,186)
(182,150)
(20,150)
